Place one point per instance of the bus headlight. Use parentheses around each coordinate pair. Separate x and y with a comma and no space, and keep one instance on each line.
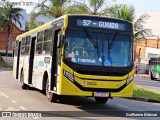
(129,80)
(68,75)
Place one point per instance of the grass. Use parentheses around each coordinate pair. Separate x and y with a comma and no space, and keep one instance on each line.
(3,63)
(145,93)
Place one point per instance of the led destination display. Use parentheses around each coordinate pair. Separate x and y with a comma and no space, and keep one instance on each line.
(102,24)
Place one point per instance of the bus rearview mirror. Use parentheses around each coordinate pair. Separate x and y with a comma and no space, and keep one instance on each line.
(59,41)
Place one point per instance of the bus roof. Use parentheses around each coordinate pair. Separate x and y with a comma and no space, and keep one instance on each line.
(50,23)
(107,17)
(38,28)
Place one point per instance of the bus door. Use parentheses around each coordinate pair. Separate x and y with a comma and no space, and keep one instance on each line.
(55,60)
(31,60)
(18,59)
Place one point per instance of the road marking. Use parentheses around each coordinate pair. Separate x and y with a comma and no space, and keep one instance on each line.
(4,95)
(122,105)
(13,101)
(21,107)
(156,104)
(35,117)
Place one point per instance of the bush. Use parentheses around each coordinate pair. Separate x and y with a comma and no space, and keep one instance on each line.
(4,54)
(3,63)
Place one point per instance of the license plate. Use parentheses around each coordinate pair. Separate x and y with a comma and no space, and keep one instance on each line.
(101,94)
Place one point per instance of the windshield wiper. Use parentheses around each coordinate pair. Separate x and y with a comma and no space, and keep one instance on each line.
(113,40)
(90,38)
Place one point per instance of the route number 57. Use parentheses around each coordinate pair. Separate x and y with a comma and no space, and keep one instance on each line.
(86,22)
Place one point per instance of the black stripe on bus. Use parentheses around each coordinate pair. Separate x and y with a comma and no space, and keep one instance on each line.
(99,79)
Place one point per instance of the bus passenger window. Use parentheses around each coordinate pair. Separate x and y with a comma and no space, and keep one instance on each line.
(23,46)
(22,50)
(40,38)
(47,43)
(27,46)
(39,48)
(47,47)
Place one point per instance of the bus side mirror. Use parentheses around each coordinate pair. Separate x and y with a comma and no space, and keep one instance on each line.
(59,41)
(149,62)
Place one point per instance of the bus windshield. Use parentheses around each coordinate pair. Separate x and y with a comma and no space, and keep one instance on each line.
(98,48)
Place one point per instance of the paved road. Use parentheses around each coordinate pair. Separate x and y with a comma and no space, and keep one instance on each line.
(148,83)
(13,98)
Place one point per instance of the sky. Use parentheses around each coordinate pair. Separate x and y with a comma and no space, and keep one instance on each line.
(143,5)
(140,5)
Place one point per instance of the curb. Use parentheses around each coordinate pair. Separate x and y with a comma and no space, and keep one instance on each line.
(144,99)
(6,68)
(148,89)
(144,76)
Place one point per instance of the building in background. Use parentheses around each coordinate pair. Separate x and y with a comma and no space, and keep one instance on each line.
(3,35)
(17,30)
(149,47)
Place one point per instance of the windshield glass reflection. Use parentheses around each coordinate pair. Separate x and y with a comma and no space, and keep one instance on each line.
(98,49)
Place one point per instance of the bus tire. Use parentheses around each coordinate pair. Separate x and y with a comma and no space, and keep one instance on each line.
(23,85)
(101,100)
(52,97)
(152,78)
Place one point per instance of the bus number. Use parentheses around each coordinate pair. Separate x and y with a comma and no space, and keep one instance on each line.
(86,22)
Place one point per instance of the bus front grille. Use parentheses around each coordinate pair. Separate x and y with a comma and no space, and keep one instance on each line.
(102,73)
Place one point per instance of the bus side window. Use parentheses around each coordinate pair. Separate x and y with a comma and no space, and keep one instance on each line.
(27,46)
(39,48)
(48,35)
(23,46)
(39,44)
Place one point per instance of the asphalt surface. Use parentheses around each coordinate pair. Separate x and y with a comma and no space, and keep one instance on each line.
(13,98)
(146,82)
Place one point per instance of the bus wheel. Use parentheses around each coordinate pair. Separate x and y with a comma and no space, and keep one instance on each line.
(102,100)
(52,97)
(23,85)
(152,78)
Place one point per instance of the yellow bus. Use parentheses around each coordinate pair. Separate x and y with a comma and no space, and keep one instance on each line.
(77,55)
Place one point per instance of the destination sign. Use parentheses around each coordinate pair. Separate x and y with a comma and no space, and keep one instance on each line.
(102,24)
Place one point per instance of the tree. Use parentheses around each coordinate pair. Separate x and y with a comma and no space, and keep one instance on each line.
(57,8)
(139,29)
(52,8)
(32,22)
(126,12)
(8,14)
(122,11)
(95,7)
(26,26)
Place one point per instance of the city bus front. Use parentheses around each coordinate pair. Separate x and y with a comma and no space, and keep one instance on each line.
(97,58)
